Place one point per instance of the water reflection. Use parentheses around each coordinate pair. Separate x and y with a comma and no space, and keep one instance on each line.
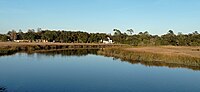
(160,64)
(66,52)
(65,72)
(84,52)
(70,52)
(3,89)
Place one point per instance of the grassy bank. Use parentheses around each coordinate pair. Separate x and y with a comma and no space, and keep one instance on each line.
(157,56)
(7,48)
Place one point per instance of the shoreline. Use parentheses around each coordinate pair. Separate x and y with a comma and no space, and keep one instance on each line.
(7,48)
(156,56)
(170,56)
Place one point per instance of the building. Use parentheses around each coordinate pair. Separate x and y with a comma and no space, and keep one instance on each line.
(108,41)
(41,41)
(22,41)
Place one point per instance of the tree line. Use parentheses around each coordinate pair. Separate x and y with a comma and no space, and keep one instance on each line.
(140,39)
(53,36)
(146,39)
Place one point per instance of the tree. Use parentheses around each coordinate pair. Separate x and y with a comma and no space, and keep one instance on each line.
(82,37)
(141,39)
(13,35)
(130,31)
(169,38)
(117,32)
(3,38)
(194,39)
(182,39)
(49,35)
(171,32)
(30,35)
(20,35)
(144,38)
(39,29)
(195,33)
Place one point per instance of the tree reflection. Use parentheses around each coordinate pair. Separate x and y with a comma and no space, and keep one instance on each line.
(70,52)
(84,52)
(159,64)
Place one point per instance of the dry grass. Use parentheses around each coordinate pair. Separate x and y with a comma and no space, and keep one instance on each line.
(2,44)
(12,47)
(162,55)
(169,50)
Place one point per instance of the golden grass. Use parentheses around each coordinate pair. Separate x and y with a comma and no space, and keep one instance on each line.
(3,44)
(164,55)
(12,47)
(169,50)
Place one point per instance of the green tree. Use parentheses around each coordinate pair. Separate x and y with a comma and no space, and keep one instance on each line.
(3,38)
(49,35)
(130,31)
(169,39)
(30,35)
(12,35)
(117,32)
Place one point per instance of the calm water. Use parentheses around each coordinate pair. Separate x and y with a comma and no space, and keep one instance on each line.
(83,71)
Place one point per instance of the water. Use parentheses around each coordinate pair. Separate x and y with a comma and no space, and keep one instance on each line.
(84,71)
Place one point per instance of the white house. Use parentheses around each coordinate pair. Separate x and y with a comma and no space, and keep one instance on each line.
(107,42)
(19,41)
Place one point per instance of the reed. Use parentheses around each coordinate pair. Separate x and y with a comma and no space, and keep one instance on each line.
(7,48)
(148,58)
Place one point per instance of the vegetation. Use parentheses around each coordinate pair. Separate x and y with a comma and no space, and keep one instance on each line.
(71,39)
(146,39)
(151,58)
(56,36)
(3,38)
(140,39)
(8,48)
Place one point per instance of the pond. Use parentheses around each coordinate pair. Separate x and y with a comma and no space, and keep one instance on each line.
(85,71)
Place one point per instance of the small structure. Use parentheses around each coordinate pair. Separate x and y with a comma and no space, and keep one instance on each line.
(108,41)
(41,41)
(29,41)
(19,41)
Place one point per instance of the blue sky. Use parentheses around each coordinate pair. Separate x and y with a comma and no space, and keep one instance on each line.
(154,16)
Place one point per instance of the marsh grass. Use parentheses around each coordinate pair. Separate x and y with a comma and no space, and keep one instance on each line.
(11,48)
(156,59)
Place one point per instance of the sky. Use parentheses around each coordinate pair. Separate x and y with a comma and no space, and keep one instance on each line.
(154,16)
